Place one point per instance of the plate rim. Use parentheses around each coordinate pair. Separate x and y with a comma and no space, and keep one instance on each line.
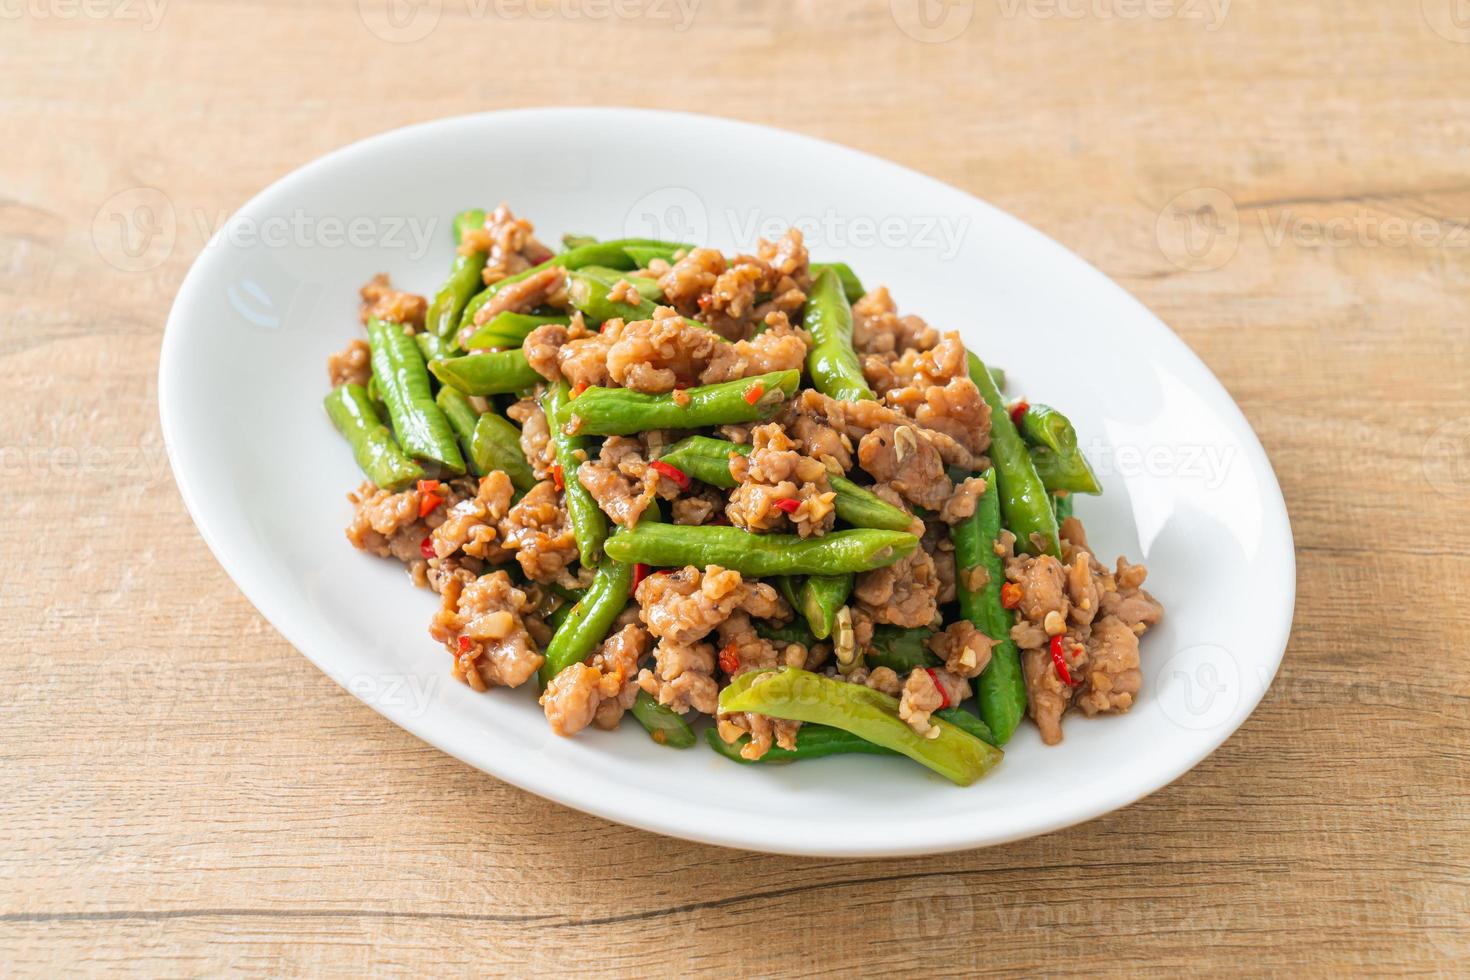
(294,633)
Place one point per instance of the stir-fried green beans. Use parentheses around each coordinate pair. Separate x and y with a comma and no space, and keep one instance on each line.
(832,363)
(708,460)
(494,373)
(505,330)
(398,367)
(590,619)
(979,575)
(820,598)
(760,555)
(800,695)
(663,724)
(462,419)
(589,523)
(1024,506)
(852,286)
(464,279)
(496,445)
(373,446)
(620,411)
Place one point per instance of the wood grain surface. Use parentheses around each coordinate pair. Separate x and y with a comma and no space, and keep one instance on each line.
(1286,184)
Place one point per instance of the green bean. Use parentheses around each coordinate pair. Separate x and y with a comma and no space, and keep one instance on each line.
(760,555)
(708,460)
(422,429)
(1024,505)
(462,418)
(353,413)
(852,286)
(644,254)
(1042,425)
(662,723)
(559,615)
(611,254)
(899,649)
(508,329)
(591,617)
(495,373)
(800,695)
(621,412)
(999,374)
(820,598)
(1001,689)
(464,279)
(433,347)
(793,632)
(496,445)
(817,741)
(570,241)
(588,292)
(831,362)
(1067,472)
(589,523)
(646,286)
(1063,504)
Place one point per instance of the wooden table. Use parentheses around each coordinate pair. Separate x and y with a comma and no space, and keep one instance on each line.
(184,793)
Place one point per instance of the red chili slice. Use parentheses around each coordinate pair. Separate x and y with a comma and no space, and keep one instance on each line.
(730,658)
(1061,662)
(1010,595)
(754,392)
(640,572)
(426,547)
(789,505)
(580,387)
(1017,410)
(558,479)
(427,503)
(942,692)
(672,472)
(428,486)
(464,644)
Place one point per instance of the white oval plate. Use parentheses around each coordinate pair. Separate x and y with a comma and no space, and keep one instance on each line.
(1189,489)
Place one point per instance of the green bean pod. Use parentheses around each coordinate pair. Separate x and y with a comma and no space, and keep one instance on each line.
(760,555)
(422,429)
(800,695)
(644,254)
(663,724)
(1068,472)
(464,280)
(505,330)
(1002,688)
(496,445)
(588,521)
(899,649)
(1042,425)
(852,286)
(588,292)
(1024,505)
(590,618)
(708,460)
(373,446)
(1062,503)
(819,741)
(570,241)
(462,418)
(820,598)
(610,254)
(494,373)
(831,362)
(620,411)
(433,347)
